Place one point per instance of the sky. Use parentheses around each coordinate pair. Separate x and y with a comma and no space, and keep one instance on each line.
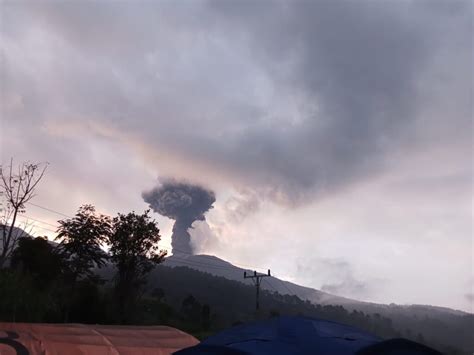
(336,135)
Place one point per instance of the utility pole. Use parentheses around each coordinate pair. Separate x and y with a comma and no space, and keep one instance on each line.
(257,279)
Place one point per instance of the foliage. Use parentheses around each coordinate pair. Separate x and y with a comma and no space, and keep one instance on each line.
(37,258)
(191,309)
(22,299)
(232,303)
(89,303)
(134,252)
(81,240)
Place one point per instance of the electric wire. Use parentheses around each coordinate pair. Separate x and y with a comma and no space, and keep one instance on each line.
(180,260)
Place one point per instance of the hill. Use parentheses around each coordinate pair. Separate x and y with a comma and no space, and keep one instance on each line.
(220,284)
(218,267)
(203,294)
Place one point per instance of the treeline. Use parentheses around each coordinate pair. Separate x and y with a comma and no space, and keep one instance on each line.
(233,302)
(58,282)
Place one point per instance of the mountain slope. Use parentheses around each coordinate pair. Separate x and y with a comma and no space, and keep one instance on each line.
(218,267)
(232,301)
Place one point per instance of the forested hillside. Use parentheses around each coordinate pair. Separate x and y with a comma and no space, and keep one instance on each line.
(232,302)
(202,304)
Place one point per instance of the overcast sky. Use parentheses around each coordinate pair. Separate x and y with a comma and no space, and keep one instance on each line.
(336,135)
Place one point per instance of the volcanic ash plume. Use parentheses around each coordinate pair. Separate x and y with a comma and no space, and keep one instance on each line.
(185,204)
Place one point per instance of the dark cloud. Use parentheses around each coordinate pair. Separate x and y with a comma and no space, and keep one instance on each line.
(286,98)
(360,64)
(183,202)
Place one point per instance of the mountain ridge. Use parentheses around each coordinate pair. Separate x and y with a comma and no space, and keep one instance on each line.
(219,267)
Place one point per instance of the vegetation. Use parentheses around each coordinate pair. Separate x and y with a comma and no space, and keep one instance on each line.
(17,187)
(77,281)
(65,275)
(81,239)
(231,302)
(134,252)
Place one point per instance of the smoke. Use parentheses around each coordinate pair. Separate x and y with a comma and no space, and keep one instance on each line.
(185,203)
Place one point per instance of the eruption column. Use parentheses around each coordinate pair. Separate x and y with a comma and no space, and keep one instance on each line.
(185,204)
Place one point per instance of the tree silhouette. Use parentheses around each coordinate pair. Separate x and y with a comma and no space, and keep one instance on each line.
(134,251)
(32,281)
(191,310)
(37,258)
(17,187)
(206,317)
(81,240)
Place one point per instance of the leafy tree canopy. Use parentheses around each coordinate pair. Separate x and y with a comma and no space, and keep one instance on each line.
(82,238)
(37,257)
(134,243)
(134,251)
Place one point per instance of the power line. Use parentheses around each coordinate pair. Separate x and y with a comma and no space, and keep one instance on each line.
(45,229)
(270,284)
(193,263)
(49,209)
(42,228)
(38,220)
(247,267)
(188,262)
(288,288)
(197,262)
(35,225)
(180,260)
(250,267)
(185,261)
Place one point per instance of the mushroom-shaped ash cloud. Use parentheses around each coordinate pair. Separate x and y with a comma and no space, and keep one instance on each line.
(183,202)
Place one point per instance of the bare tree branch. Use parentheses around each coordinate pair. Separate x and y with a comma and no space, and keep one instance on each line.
(17,188)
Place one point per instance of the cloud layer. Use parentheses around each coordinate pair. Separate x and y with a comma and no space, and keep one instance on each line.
(275,105)
(289,98)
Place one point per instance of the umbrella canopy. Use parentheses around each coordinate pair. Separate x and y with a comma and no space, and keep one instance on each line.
(80,339)
(299,335)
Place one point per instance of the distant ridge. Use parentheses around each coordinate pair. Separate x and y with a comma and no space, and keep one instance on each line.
(219,267)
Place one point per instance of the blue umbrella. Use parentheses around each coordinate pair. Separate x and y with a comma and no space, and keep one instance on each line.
(300,336)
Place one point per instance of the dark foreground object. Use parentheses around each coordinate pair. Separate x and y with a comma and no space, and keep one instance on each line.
(301,336)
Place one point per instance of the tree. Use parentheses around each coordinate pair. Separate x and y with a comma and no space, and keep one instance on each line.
(191,311)
(82,238)
(17,187)
(206,317)
(32,281)
(134,251)
(37,258)
(158,294)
